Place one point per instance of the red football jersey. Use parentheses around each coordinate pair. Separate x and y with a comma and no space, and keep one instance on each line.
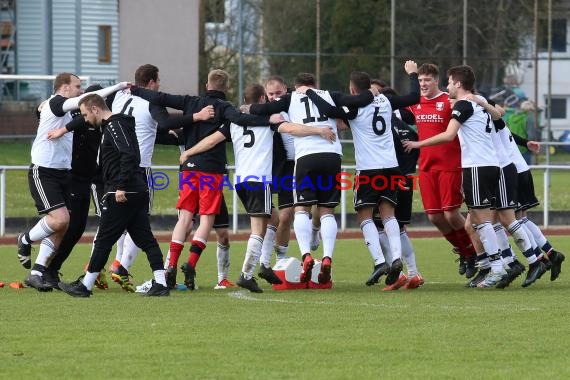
(432,117)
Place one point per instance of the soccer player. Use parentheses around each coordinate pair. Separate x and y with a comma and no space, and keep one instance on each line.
(125,205)
(196,193)
(253,149)
(50,174)
(527,199)
(479,161)
(375,156)
(86,141)
(317,167)
(407,162)
(440,169)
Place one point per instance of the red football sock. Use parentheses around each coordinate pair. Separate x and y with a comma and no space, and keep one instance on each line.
(175,251)
(195,252)
(464,243)
(452,238)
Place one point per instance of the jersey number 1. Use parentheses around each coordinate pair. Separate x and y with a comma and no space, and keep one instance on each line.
(309,118)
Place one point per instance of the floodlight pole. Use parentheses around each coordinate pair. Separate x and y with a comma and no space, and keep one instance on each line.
(240,61)
(392,43)
(318,44)
(464,32)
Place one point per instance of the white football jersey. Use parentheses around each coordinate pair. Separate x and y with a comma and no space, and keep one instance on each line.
(145,127)
(288,140)
(253,150)
(372,134)
(55,153)
(502,153)
(477,147)
(513,150)
(303,111)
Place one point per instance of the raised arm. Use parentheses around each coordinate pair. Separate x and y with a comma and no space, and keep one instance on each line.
(167,121)
(73,103)
(177,102)
(280,105)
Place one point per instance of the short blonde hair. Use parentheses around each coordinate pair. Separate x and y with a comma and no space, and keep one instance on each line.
(218,80)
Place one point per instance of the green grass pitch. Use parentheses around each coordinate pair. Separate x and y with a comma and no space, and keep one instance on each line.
(440,331)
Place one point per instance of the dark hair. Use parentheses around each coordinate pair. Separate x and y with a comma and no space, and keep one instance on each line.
(388,91)
(379,82)
(93,88)
(463,74)
(145,74)
(94,100)
(360,80)
(61,79)
(305,79)
(253,92)
(429,69)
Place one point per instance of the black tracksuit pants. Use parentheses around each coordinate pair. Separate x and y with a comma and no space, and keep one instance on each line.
(118,217)
(78,212)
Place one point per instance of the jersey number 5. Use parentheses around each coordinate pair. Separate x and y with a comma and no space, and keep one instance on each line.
(378,118)
(252,138)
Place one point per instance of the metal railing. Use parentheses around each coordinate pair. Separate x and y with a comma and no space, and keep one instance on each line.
(343,206)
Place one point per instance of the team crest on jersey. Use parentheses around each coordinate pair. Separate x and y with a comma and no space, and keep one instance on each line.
(439,106)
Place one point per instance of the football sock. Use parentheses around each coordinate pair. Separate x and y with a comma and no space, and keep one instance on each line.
(89,279)
(392,230)
(120,245)
(385,245)
(408,254)
(223,258)
(372,240)
(175,250)
(464,243)
(489,240)
(267,248)
(130,252)
(160,276)
(47,249)
(328,234)
(281,251)
(196,249)
(38,232)
(252,254)
(302,227)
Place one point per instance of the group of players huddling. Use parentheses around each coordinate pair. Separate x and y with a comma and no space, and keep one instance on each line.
(100,144)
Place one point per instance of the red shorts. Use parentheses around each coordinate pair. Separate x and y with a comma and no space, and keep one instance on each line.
(441,191)
(200,191)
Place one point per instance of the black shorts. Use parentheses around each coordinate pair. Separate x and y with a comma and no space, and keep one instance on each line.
(526,196)
(373,186)
(480,186)
(316,180)
(50,188)
(256,198)
(284,187)
(403,211)
(222,220)
(506,194)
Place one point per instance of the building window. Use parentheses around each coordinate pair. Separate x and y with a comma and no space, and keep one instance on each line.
(558,108)
(215,11)
(559,35)
(104,43)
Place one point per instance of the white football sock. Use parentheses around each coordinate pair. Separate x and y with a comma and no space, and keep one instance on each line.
(223,259)
(392,230)
(120,244)
(160,276)
(130,252)
(252,255)
(40,231)
(408,254)
(46,252)
(89,279)
(372,241)
(302,226)
(267,248)
(328,234)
